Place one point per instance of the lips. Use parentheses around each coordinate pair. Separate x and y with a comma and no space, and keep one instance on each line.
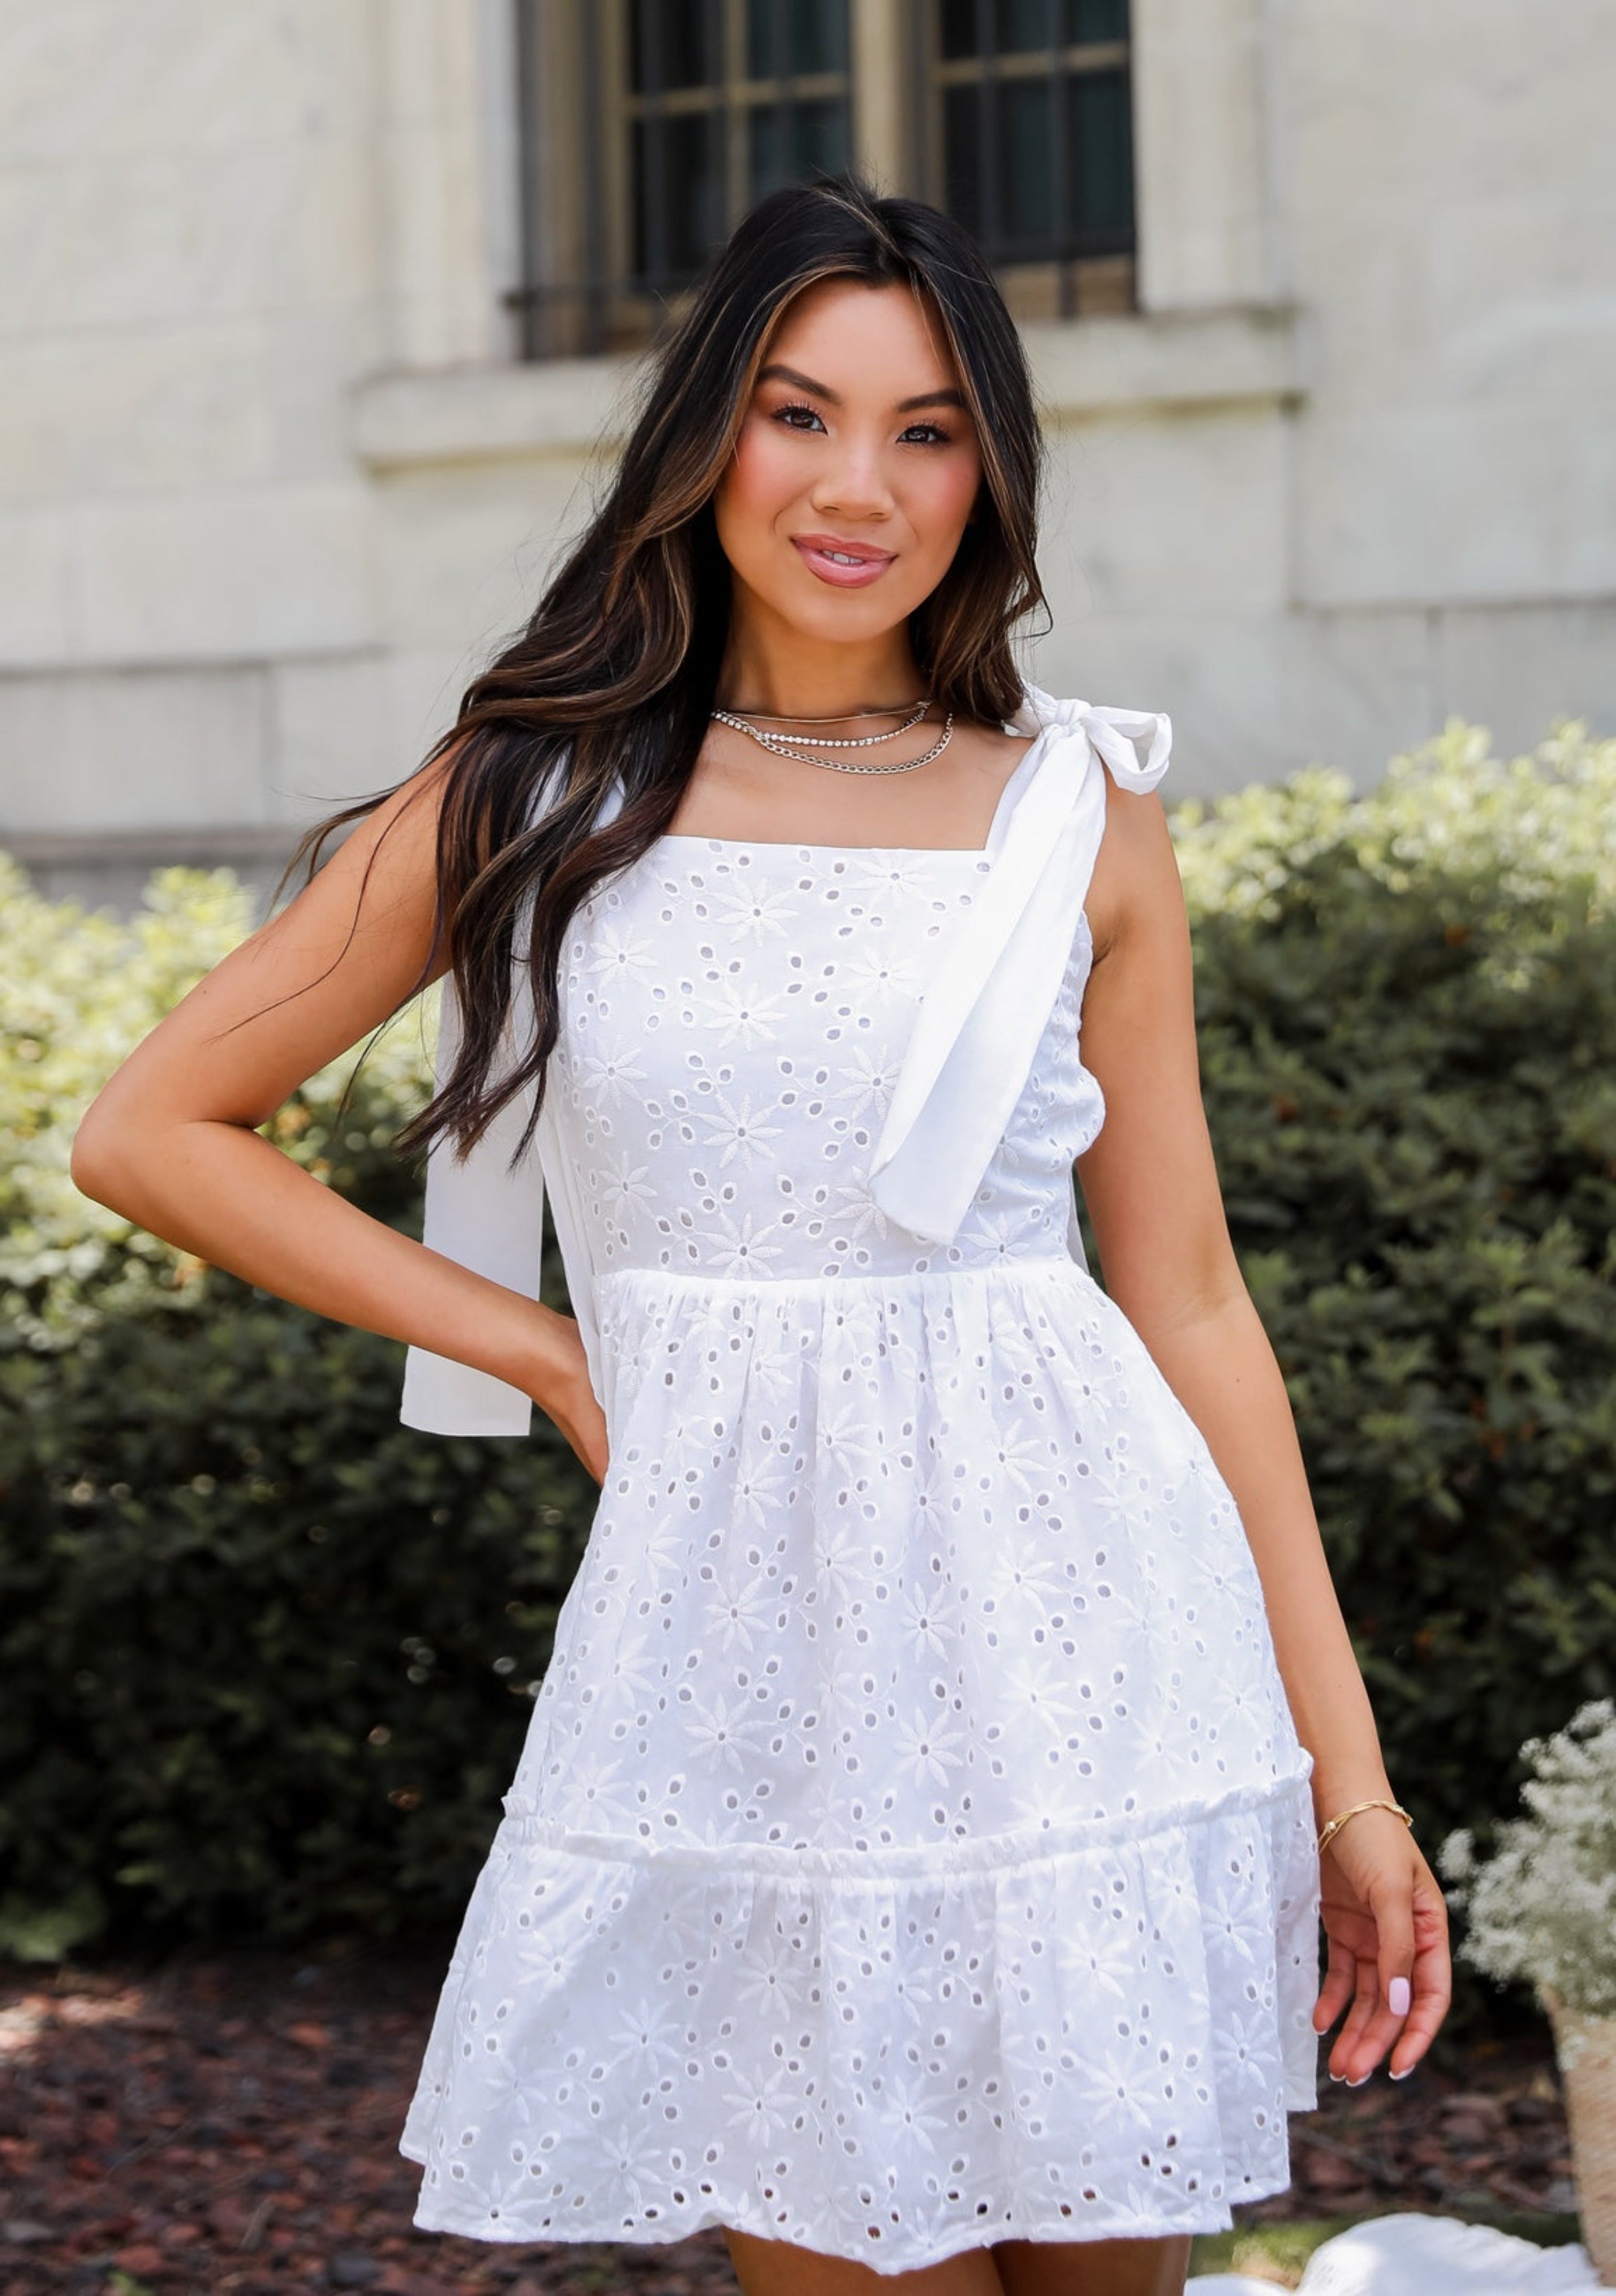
(845,565)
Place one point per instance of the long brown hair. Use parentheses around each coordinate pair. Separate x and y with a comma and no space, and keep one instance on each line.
(616,674)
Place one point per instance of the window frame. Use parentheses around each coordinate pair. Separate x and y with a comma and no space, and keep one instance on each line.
(737,94)
(1070,282)
(579,293)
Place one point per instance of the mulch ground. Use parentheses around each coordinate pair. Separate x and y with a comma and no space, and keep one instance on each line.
(229,2123)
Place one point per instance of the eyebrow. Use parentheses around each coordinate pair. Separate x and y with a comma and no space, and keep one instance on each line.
(778,373)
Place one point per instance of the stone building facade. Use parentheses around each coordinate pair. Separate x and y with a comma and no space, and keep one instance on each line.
(1332,458)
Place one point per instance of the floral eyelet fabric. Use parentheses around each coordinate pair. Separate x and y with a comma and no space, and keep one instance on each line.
(911,1846)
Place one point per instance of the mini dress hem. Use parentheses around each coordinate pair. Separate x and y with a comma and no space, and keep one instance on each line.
(883,2258)
(1011,2053)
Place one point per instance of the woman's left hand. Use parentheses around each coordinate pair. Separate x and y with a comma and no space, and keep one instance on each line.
(1386,1918)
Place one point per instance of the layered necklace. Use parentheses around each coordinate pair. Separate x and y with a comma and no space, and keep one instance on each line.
(783,745)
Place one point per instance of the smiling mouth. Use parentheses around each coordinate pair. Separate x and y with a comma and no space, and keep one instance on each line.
(848,563)
(844,554)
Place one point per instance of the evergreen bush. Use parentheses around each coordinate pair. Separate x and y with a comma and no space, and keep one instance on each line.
(1407,1014)
(265,1655)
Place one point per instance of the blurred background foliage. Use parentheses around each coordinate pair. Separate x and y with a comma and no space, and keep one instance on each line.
(266,1655)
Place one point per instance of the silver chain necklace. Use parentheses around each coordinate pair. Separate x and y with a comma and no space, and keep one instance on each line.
(917,710)
(779,745)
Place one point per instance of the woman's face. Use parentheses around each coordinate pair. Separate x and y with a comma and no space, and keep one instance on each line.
(856,469)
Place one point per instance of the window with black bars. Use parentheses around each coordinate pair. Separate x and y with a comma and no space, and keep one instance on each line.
(1032,143)
(726,100)
(652,126)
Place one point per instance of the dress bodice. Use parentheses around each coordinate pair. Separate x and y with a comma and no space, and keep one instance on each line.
(952,1098)
(734,1020)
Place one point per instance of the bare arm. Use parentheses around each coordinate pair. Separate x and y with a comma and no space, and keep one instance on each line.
(170,1141)
(1151,1186)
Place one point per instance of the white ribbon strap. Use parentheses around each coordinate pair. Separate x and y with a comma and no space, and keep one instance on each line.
(980,1021)
(491,1219)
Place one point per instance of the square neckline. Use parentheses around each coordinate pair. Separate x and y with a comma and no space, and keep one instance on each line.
(1003,808)
(779,845)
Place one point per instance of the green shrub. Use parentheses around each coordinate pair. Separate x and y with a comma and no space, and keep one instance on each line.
(266,1653)
(1408,1008)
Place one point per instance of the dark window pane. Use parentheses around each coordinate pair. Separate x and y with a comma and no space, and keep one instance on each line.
(966,28)
(1026,184)
(784,37)
(1100,157)
(1023,25)
(1096,19)
(1029,192)
(678,194)
(671,45)
(963,159)
(1019,28)
(815,139)
(999,157)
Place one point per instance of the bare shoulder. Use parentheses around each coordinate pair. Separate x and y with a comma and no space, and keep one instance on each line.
(1136,884)
(996,740)
(992,744)
(987,755)
(373,902)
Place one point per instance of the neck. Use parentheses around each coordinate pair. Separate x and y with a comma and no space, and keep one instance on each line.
(789,675)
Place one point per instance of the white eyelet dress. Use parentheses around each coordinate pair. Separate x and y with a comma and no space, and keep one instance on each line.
(911,1846)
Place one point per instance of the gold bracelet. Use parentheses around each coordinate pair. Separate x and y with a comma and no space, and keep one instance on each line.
(1340,1817)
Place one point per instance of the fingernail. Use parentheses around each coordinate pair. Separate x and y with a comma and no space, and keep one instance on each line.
(1403,2075)
(1362,2078)
(1398,1996)
(1335,2076)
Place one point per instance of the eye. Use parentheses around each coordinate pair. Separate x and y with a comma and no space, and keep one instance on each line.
(936,436)
(785,414)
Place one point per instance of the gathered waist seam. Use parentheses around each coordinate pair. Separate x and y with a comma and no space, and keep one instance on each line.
(702,1279)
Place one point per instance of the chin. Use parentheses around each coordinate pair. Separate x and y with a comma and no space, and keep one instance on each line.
(850,629)
(851,616)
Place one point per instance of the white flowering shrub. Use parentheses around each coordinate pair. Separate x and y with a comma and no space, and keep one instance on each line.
(1544,1905)
(1530,827)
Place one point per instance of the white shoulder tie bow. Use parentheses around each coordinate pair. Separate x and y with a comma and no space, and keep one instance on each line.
(981,1018)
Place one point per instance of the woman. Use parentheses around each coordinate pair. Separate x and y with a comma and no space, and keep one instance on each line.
(912,1863)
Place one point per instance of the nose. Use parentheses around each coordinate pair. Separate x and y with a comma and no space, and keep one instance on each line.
(853,483)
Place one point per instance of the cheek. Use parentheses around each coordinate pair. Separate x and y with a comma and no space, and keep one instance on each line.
(950,494)
(759,483)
